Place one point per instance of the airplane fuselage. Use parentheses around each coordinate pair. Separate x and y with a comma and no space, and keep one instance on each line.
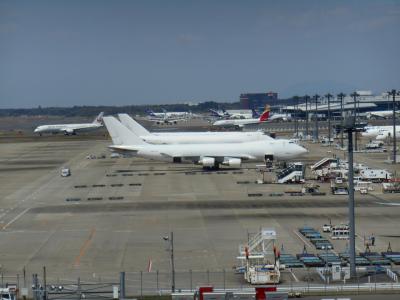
(249,151)
(66,128)
(204,137)
(236,122)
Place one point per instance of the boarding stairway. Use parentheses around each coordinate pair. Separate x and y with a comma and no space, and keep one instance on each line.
(324,162)
(293,173)
(260,244)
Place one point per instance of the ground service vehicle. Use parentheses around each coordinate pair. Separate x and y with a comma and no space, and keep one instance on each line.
(65,172)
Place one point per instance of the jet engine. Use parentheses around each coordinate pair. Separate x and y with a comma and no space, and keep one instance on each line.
(232,162)
(69,132)
(207,161)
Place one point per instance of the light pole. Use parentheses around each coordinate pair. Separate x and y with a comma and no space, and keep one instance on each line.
(296,124)
(329,96)
(171,248)
(341,97)
(306,97)
(393,93)
(316,134)
(355,95)
(351,126)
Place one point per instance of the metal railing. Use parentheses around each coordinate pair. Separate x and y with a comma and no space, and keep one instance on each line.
(141,283)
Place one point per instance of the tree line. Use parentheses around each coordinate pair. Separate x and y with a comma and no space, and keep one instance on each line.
(86,111)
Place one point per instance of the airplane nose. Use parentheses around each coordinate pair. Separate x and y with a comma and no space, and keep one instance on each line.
(302,150)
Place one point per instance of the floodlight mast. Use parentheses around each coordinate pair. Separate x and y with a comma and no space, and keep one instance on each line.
(306,97)
(329,96)
(341,97)
(170,239)
(316,133)
(355,95)
(394,93)
(350,126)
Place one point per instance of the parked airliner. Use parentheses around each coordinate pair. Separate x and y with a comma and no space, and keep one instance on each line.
(382,114)
(71,129)
(207,155)
(388,133)
(379,132)
(168,117)
(243,122)
(190,137)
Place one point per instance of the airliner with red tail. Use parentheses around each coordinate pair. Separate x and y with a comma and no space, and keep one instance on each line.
(264,117)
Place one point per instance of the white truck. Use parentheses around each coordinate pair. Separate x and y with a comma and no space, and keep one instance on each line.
(65,172)
(375,175)
(8,293)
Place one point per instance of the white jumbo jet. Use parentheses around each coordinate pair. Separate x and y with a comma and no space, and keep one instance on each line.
(190,137)
(208,155)
(71,129)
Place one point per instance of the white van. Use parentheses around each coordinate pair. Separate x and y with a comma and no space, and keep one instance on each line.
(65,172)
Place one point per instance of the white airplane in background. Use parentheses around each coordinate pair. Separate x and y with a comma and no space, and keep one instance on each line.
(219,113)
(379,131)
(168,117)
(243,122)
(190,137)
(207,155)
(373,131)
(280,117)
(233,113)
(71,129)
(383,114)
(388,133)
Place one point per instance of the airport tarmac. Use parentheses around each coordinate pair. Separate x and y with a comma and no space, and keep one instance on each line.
(127,205)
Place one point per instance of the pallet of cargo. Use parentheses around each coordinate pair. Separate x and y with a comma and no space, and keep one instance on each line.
(310,260)
(290,261)
(331,258)
(375,258)
(394,257)
(360,260)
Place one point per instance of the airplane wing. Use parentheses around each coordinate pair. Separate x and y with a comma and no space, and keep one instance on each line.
(389,203)
(217,158)
(123,149)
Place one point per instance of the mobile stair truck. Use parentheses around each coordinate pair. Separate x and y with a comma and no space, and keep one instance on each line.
(259,258)
(292,174)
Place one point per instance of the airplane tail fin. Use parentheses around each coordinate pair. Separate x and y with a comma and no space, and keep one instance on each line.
(214,112)
(132,125)
(99,119)
(121,135)
(265,115)
(255,114)
(150,112)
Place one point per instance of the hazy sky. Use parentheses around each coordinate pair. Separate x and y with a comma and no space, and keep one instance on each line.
(64,53)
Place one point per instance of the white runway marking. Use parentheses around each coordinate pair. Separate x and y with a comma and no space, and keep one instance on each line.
(294,276)
(16,218)
(305,242)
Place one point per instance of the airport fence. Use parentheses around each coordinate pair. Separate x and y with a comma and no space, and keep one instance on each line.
(143,283)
